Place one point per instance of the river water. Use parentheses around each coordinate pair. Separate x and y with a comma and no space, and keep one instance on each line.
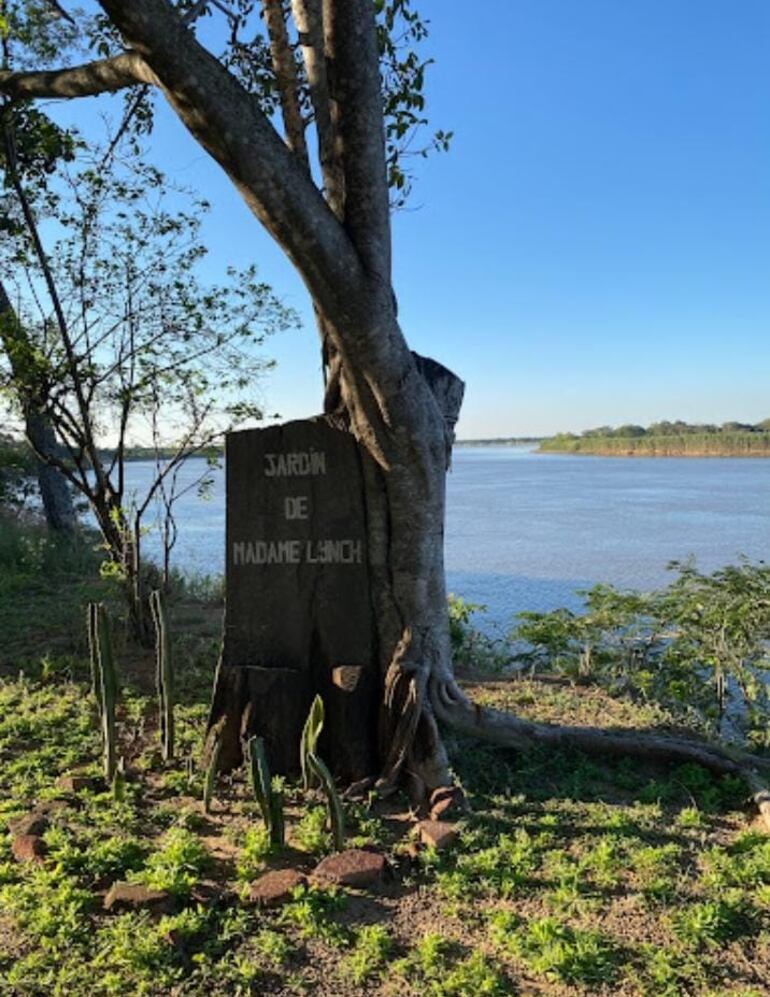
(528,531)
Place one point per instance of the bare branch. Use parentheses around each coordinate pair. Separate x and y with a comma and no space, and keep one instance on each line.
(116,139)
(59,11)
(181,454)
(286,76)
(102,76)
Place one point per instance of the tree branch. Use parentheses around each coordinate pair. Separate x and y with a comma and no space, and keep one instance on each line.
(228,122)
(102,76)
(354,66)
(53,292)
(286,76)
(309,24)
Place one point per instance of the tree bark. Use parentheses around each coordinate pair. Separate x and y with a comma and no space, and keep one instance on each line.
(286,77)
(287,635)
(103,76)
(55,492)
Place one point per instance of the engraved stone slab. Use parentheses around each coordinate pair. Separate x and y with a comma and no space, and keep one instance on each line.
(299,614)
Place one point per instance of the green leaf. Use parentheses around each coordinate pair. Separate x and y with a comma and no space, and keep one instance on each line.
(310,734)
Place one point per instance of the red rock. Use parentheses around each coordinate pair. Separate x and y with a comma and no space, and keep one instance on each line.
(28,848)
(133,896)
(274,888)
(447,802)
(438,834)
(34,823)
(50,808)
(354,867)
(75,783)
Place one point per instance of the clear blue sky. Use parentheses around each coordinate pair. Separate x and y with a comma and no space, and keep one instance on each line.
(596,246)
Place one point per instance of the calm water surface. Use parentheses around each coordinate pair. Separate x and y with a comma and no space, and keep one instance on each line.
(526,530)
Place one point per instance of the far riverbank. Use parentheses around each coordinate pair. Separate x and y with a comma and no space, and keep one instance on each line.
(666,439)
(706,445)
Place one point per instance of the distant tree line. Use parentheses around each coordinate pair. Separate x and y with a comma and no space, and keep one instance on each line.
(666,428)
(668,439)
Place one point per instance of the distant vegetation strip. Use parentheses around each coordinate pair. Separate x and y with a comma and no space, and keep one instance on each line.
(667,439)
(501,441)
(164,453)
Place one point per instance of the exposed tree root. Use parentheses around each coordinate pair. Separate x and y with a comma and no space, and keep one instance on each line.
(761,795)
(452,707)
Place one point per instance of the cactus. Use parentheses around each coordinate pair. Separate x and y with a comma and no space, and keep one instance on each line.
(269,798)
(164,674)
(309,741)
(277,825)
(105,682)
(119,782)
(211,774)
(93,647)
(333,800)
(313,769)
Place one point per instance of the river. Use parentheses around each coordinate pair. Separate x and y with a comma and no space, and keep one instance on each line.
(527,530)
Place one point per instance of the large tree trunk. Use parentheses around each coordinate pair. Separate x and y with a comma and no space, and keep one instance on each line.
(54,490)
(382,723)
(407,562)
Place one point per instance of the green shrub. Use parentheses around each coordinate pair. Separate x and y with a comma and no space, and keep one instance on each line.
(312,909)
(695,647)
(371,947)
(255,850)
(470,647)
(310,833)
(712,923)
(553,948)
(177,866)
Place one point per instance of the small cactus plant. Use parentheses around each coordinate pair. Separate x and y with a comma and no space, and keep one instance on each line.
(333,800)
(308,744)
(93,647)
(268,796)
(211,774)
(105,684)
(164,674)
(315,770)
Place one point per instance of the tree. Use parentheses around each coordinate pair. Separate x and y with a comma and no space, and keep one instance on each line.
(42,146)
(629,430)
(335,59)
(54,490)
(122,339)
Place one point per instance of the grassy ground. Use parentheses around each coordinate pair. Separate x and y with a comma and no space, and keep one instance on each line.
(570,876)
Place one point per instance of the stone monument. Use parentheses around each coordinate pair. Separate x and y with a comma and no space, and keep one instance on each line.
(298,617)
